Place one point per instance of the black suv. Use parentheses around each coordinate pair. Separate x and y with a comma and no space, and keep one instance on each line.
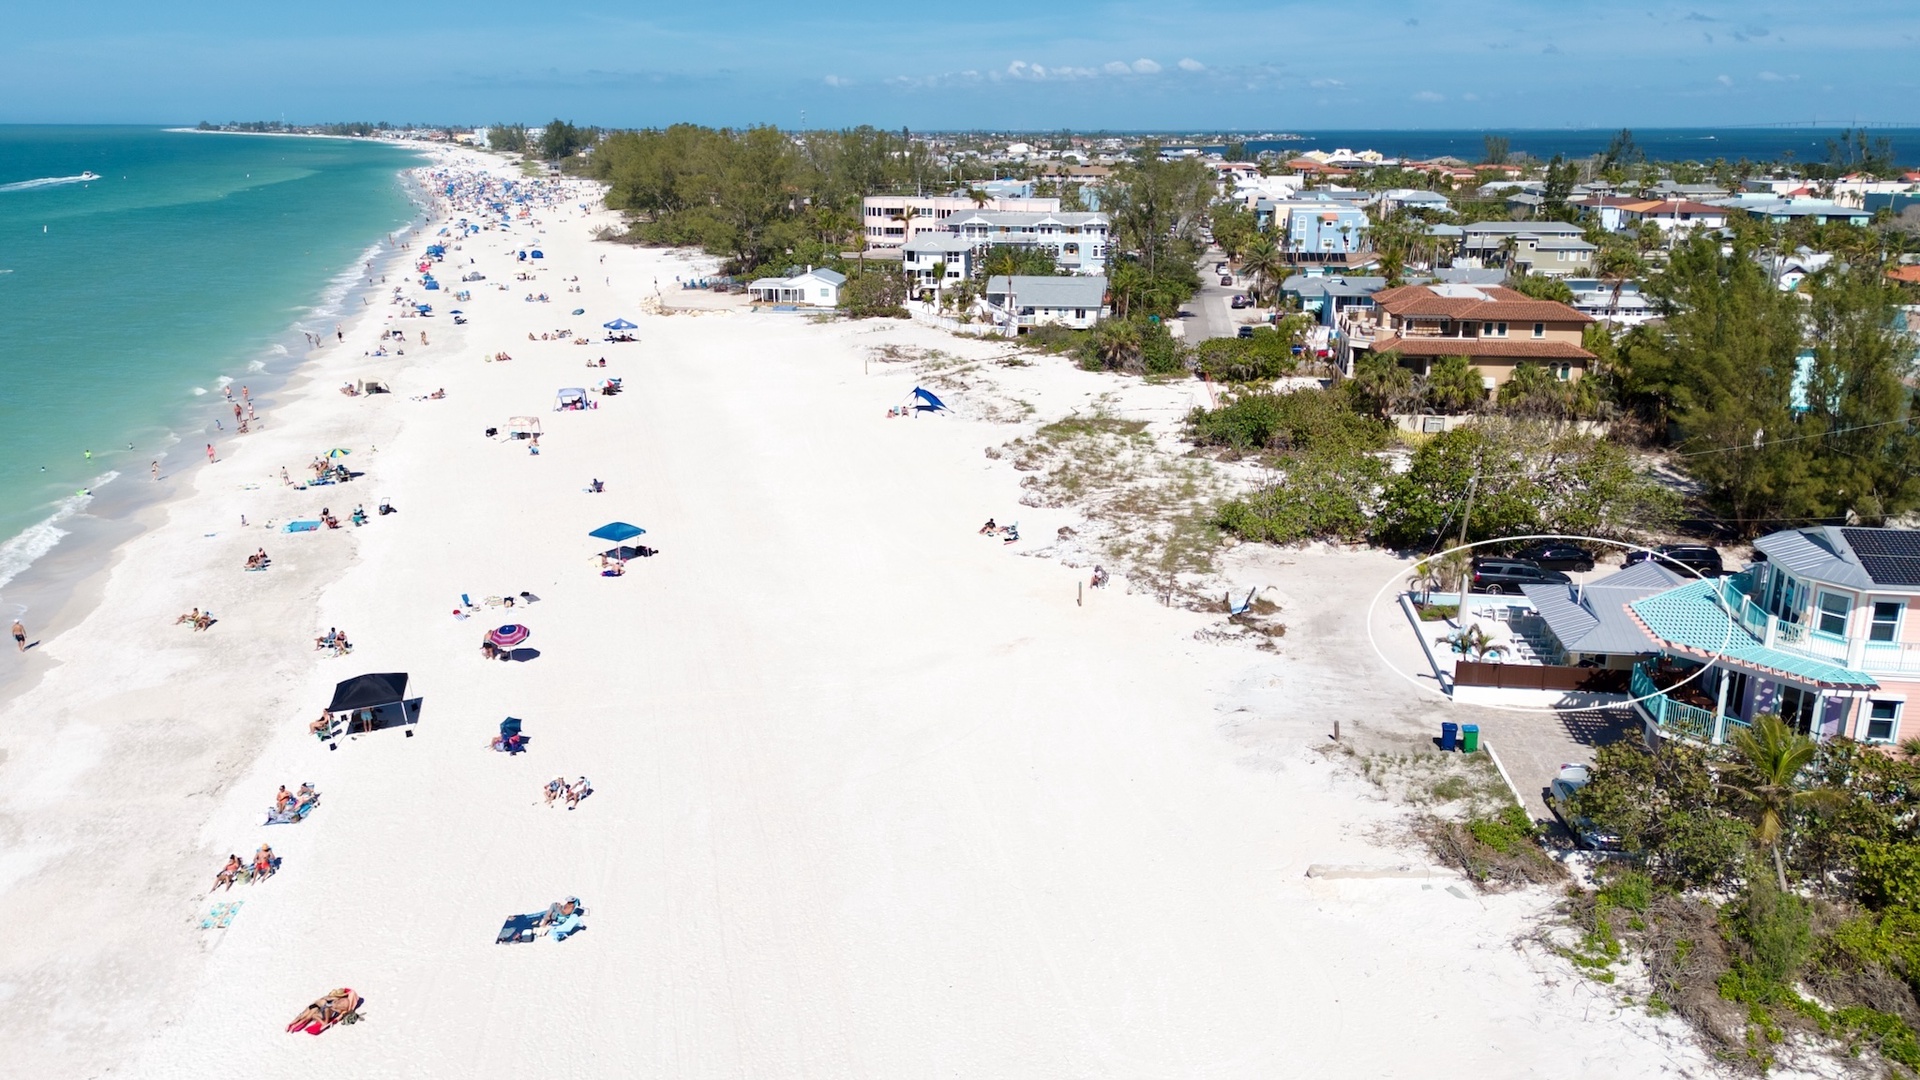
(1696,557)
(1557,555)
(1494,575)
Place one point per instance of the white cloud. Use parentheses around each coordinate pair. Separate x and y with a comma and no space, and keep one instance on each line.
(1723,80)
(1429,95)
(1017,69)
(1144,66)
(1188,63)
(835,80)
(1469,97)
(1327,84)
(1117,67)
(1774,76)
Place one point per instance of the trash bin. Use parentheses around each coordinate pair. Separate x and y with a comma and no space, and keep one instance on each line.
(1447,733)
(1470,738)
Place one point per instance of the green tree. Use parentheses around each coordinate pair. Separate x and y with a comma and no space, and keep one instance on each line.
(1667,810)
(1116,344)
(1265,264)
(1542,287)
(560,140)
(1765,776)
(1454,385)
(1495,147)
(1381,385)
(1868,462)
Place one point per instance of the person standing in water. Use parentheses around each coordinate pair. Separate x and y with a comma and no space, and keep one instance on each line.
(19,635)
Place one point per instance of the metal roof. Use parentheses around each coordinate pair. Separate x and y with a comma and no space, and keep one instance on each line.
(1052,292)
(1688,620)
(1593,618)
(1817,554)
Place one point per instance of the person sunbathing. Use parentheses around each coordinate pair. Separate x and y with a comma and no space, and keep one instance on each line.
(336,1006)
(489,651)
(202,621)
(989,528)
(263,862)
(229,873)
(325,641)
(324,725)
(557,911)
(284,801)
(190,617)
(307,793)
(341,644)
(437,394)
(555,788)
(254,563)
(576,791)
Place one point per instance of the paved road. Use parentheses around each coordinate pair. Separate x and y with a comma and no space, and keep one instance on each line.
(1213,317)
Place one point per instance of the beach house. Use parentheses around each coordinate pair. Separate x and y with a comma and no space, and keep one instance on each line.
(1553,248)
(1820,629)
(936,259)
(1494,327)
(889,221)
(811,287)
(1022,302)
(1077,241)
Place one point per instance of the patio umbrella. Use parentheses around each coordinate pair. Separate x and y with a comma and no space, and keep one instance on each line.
(509,635)
(621,324)
(616,531)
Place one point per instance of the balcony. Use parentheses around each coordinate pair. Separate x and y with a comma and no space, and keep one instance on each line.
(1874,657)
(1677,709)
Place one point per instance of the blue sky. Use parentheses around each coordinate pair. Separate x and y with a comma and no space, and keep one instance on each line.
(1066,63)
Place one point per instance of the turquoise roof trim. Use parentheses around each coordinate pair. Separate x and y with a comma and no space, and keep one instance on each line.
(1690,620)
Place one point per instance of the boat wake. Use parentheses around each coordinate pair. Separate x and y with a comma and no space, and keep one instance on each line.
(48,181)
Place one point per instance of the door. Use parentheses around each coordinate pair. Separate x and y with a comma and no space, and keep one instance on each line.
(1796,708)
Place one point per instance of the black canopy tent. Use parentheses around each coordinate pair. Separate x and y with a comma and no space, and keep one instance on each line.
(371,692)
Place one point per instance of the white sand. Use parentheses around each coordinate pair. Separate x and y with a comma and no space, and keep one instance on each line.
(874,797)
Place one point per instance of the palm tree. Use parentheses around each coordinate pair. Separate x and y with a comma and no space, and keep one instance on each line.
(1618,264)
(1265,264)
(939,277)
(1473,643)
(980,198)
(1768,759)
(905,218)
(1117,343)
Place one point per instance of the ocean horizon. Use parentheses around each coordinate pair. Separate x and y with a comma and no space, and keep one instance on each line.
(142,269)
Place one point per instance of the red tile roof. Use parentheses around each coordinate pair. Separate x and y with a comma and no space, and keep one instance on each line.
(1500,304)
(1673,206)
(1488,348)
(1908,273)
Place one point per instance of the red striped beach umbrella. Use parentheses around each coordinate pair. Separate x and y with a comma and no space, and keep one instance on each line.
(509,635)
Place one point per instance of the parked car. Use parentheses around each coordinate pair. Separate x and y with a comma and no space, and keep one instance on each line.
(1572,778)
(1557,555)
(1245,331)
(1241,300)
(1495,575)
(1226,281)
(1183,313)
(1695,557)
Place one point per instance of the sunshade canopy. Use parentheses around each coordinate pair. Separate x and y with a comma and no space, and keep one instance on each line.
(616,531)
(621,324)
(369,691)
(927,400)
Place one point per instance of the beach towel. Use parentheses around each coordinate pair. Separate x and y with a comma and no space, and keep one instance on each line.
(519,929)
(221,916)
(566,927)
(302,526)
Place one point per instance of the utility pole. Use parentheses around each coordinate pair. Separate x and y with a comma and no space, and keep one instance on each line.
(1468,511)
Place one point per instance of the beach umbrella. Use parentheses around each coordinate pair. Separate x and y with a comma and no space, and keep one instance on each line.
(621,324)
(579,311)
(617,531)
(337,452)
(506,637)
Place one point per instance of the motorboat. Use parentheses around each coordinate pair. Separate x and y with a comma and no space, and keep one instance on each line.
(89,175)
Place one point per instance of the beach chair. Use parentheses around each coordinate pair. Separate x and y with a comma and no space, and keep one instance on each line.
(519,929)
(1243,606)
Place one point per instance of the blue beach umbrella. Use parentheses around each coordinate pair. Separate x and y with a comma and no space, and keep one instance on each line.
(621,324)
(617,531)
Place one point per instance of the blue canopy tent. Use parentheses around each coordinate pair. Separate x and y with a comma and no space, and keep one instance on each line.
(924,401)
(621,324)
(617,531)
(536,253)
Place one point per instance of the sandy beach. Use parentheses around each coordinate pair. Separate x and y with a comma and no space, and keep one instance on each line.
(872,795)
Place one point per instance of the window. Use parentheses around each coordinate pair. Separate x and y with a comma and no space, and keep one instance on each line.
(824,294)
(1493,329)
(1796,708)
(1883,721)
(1833,614)
(1079,313)
(1886,621)
(1539,329)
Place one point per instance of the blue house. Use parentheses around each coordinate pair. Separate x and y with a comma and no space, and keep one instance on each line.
(1326,230)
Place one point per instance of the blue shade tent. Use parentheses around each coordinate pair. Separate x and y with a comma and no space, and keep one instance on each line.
(621,324)
(927,402)
(616,531)
(536,253)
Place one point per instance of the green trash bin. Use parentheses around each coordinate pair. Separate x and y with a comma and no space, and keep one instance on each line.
(1469,738)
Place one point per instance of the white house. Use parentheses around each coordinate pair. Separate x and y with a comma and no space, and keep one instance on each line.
(929,250)
(1026,302)
(1077,242)
(811,287)
(891,220)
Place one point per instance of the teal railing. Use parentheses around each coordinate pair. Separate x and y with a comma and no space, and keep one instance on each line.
(1681,719)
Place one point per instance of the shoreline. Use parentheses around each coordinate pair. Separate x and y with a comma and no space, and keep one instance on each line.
(127,504)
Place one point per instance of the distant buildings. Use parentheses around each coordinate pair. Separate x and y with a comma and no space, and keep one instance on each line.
(1077,242)
(889,221)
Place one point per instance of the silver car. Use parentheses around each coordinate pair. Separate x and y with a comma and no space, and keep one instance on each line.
(1572,778)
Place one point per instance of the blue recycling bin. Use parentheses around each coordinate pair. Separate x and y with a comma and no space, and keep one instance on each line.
(1449,733)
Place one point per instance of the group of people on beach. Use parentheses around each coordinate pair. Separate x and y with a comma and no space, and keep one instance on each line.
(264,864)
(561,792)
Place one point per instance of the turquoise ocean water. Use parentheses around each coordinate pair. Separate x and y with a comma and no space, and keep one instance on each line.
(125,301)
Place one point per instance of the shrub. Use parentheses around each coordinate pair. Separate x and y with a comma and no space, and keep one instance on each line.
(1267,355)
(1303,420)
(1326,494)
(875,294)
